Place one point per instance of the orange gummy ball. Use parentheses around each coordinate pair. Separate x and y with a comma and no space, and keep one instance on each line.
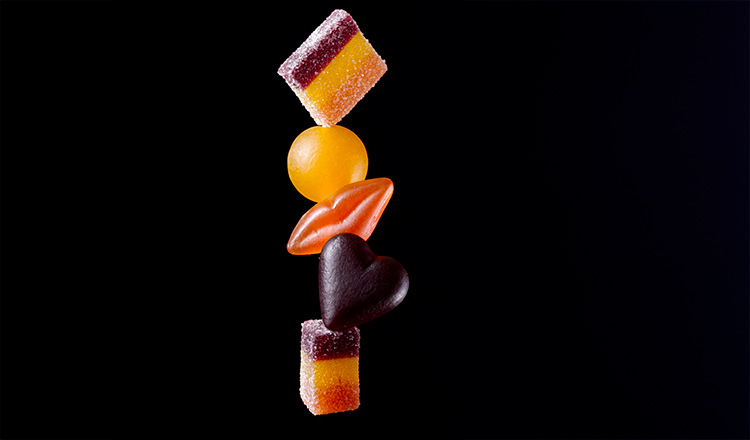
(323,159)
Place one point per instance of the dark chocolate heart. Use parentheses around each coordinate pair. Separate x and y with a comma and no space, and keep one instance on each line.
(355,285)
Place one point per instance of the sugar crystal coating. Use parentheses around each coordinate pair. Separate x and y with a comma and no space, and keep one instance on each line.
(329,368)
(318,49)
(320,343)
(333,69)
(329,386)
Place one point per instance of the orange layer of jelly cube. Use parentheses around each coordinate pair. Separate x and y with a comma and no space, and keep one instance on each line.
(330,385)
(346,80)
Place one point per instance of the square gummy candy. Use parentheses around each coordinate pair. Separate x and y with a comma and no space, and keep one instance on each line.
(329,368)
(333,69)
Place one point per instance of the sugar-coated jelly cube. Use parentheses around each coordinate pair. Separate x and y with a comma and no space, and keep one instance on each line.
(329,368)
(354,208)
(333,69)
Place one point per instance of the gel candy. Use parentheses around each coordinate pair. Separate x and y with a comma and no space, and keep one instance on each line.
(329,368)
(355,208)
(323,159)
(333,69)
(355,285)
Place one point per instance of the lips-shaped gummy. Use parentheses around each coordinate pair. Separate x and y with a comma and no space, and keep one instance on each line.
(354,208)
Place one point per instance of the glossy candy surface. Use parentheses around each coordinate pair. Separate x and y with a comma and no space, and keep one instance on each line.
(329,368)
(354,208)
(323,159)
(333,69)
(355,285)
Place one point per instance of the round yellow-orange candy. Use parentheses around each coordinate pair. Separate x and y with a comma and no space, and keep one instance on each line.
(323,159)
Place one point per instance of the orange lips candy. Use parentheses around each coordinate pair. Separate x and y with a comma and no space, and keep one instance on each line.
(355,208)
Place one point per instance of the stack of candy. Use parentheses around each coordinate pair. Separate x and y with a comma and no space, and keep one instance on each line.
(332,70)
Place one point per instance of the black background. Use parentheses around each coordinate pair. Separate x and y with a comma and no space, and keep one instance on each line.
(571,203)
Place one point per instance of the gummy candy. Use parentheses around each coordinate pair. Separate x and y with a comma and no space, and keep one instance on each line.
(333,69)
(330,73)
(354,208)
(355,285)
(329,368)
(323,159)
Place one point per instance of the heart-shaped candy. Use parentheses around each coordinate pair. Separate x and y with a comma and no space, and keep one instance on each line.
(355,285)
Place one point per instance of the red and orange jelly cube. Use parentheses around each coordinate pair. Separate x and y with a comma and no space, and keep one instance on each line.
(329,368)
(333,69)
